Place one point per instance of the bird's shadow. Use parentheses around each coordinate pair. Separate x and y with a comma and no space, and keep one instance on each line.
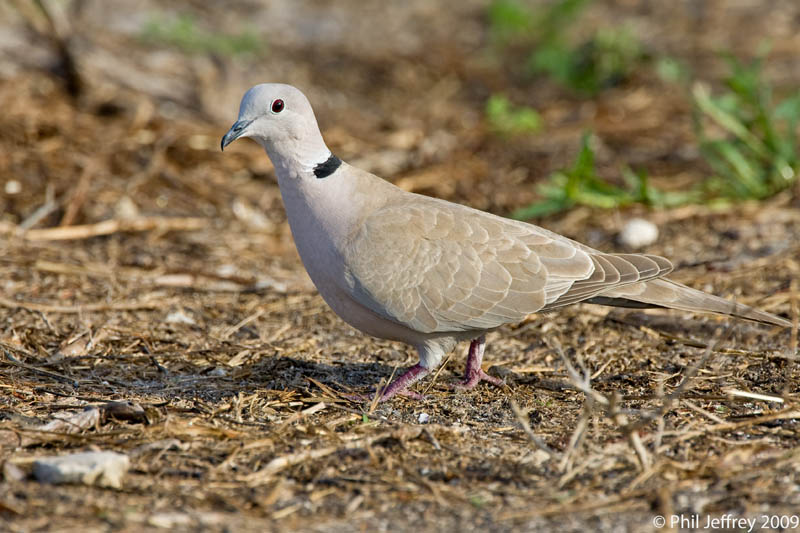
(172,381)
(288,373)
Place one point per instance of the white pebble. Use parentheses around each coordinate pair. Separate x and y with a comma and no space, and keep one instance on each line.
(638,233)
(169,520)
(105,469)
(179,317)
(13,187)
(423,418)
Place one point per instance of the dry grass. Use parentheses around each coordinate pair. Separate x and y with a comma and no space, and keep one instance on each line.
(151,303)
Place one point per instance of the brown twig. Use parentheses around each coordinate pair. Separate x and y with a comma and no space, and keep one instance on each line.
(80,308)
(78,196)
(795,311)
(299,415)
(109,227)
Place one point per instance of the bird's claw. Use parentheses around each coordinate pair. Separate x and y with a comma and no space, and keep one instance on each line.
(473,378)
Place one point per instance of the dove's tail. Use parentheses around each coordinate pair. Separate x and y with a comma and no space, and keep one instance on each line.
(666,293)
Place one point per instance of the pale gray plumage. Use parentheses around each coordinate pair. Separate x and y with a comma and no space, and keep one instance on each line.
(437,267)
(428,272)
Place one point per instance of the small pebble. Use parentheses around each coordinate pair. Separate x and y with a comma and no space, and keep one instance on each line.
(105,469)
(13,187)
(423,418)
(179,317)
(638,233)
(169,520)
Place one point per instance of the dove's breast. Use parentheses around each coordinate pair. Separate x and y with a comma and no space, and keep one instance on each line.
(320,223)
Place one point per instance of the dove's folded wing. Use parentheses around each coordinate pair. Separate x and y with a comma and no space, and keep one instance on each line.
(438,267)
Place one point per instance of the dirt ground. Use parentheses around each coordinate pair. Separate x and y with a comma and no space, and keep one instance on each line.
(139,264)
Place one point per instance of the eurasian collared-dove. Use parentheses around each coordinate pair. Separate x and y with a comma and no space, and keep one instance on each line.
(431,273)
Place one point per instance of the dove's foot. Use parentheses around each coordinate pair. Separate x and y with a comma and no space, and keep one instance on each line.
(403,382)
(475,373)
(473,378)
(398,387)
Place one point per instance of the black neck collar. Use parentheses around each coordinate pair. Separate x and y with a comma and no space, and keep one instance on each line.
(328,167)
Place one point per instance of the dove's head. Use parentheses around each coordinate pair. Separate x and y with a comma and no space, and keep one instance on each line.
(279,117)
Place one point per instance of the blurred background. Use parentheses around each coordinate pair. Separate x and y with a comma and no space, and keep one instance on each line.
(115,108)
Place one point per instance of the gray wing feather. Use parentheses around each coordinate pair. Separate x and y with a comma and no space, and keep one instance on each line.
(437,267)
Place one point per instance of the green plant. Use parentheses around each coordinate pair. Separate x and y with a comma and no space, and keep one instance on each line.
(580,185)
(750,143)
(671,70)
(506,119)
(512,18)
(604,59)
(184,33)
(477,501)
(508,19)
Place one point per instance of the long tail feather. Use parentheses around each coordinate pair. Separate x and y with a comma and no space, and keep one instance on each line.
(667,293)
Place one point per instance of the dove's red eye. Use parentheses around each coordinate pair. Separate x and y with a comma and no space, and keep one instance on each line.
(277,106)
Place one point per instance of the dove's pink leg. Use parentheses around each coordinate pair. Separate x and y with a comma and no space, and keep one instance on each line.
(475,373)
(405,380)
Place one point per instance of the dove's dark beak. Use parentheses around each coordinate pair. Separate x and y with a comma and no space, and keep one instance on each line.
(234,133)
